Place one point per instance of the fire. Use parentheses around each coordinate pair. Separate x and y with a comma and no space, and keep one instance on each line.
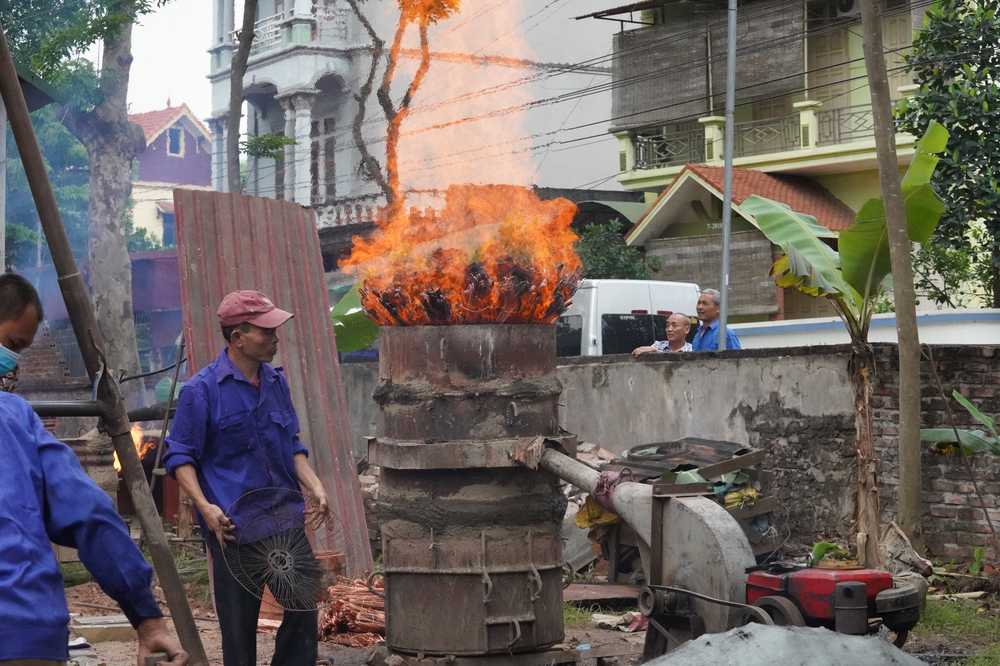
(143,445)
(495,254)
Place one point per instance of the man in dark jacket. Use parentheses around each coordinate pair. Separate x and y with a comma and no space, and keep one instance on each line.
(46,496)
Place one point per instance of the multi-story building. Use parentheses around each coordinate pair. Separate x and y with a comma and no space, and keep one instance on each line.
(803,128)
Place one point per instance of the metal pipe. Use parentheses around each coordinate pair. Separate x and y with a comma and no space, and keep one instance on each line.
(727,177)
(86,408)
(91,342)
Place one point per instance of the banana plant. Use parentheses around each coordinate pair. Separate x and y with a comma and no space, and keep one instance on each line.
(352,327)
(853,276)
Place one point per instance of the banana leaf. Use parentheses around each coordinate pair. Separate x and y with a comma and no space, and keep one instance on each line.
(353,328)
(973,441)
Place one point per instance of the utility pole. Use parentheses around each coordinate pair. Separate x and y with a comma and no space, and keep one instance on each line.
(910,482)
(727,179)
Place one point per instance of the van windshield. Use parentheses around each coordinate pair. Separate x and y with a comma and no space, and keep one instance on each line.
(620,333)
(569,332)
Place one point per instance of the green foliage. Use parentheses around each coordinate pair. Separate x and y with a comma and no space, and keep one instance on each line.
(353,328)
(139,239)
(74,573)
(577,616)
(824,550)
(66,162)
(973,441)
(958,621)
(266,145)
(955,61)
(606,256)
(977,560)
(855,276)
(947,275)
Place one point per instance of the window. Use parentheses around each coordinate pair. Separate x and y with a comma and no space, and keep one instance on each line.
(569,332)
(175,141)
(620,334)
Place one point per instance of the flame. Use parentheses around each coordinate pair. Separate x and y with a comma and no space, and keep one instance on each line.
(493,253)
(143,445)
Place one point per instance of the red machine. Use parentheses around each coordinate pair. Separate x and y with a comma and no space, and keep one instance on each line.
(853,601)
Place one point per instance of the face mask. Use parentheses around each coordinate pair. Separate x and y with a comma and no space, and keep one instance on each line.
(8,360)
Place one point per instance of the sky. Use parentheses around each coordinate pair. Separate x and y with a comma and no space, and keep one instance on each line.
(170,51)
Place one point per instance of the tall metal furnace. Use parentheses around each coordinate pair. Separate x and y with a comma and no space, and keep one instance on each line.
(471,540)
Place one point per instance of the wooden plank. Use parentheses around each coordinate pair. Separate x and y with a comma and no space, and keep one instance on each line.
(594,592)
(682,489)
(761,506)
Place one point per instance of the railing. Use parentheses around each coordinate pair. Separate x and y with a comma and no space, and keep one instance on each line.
(774,135)
(844,125)
(659,150)
(331,22)
(267,35)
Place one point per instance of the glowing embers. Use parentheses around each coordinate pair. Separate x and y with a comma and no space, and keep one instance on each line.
(495,254)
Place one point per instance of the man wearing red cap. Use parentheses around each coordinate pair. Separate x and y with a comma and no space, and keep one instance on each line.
(236,431)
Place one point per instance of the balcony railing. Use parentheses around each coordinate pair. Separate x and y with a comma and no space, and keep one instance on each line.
(773,135)
(812,124)
(844,125)
(660,150)
(331,22)
(267,35)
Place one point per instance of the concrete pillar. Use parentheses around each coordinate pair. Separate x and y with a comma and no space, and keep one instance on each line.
(714,130)
(218,128)
(626,151)
(289,188)
(303,126)
(228,20)
(808,123)
(302,21)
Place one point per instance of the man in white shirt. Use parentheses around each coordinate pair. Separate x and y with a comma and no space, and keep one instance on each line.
(678,326)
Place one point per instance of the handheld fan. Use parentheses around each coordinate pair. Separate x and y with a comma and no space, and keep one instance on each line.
(284,549)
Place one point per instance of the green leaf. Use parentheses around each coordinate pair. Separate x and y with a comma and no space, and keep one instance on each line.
(976,414)
(925,156)
(353,328)
(864,256)
(973,441)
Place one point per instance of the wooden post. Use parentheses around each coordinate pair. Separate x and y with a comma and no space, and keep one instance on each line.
(910,483)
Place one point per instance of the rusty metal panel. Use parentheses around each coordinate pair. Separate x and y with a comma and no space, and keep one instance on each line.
(229,242)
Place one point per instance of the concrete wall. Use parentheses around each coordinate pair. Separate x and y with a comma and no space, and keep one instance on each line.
(794,403)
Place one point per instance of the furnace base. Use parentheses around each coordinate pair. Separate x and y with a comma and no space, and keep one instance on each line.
(383,656)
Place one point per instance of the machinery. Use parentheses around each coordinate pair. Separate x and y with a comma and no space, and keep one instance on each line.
(703,575)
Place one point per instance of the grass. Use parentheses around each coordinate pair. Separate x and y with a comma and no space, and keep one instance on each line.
(959,622)
(74,573)
(577,616)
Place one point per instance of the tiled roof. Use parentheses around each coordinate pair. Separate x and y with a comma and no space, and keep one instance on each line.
(165,205)
(154,122)
(803,195)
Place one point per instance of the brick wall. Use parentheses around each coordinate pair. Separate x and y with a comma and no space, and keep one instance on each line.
(954,522)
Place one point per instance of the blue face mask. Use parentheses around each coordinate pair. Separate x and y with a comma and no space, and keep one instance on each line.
(8,360)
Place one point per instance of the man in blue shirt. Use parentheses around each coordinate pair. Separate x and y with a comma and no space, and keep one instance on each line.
(46,496)
(707,337)
(235,432)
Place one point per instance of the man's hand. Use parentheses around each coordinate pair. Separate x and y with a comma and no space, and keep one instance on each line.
(218,522)
(639,351)
(154,637)
(317,508)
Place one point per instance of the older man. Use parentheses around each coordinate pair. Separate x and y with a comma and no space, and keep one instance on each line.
(235,432)
(46,496)
(707,337)
(678,327)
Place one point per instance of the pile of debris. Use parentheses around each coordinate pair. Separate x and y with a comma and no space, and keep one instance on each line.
(355,617)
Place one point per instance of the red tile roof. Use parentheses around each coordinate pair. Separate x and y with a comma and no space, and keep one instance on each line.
(166,205)
(801,194)
(153,122)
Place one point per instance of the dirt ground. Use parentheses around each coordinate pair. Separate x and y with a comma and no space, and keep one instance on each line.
(82,599)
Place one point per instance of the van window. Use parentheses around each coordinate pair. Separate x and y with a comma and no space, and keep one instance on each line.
(569,335)
(620,334)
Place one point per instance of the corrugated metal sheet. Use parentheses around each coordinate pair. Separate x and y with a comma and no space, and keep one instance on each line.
(229,242)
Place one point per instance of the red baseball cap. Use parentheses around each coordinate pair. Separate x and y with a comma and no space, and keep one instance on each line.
(251,307)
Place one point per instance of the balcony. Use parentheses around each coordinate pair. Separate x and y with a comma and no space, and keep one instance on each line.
(267,35)
(325,24)
(844,125)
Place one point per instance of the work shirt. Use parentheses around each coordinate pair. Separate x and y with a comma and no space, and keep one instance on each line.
(663,346)
(707,338)
(238,437)
(46,496)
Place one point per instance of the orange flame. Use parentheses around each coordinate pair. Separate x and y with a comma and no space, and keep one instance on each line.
(495,254)
(143,445)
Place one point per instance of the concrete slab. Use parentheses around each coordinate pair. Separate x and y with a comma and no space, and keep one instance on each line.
(101,629)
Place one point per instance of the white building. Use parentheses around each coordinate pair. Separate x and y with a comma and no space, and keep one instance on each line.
(517,92)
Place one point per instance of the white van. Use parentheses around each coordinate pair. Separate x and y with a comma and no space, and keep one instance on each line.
(616,316)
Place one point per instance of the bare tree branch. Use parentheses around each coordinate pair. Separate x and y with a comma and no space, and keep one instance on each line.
(395,123)
(237,72)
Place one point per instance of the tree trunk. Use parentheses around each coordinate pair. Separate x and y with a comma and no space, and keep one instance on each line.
(112,141)
(910,485)
(861,368)
(236,73)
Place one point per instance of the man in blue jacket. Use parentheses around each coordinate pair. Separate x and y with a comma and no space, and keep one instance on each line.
(236,432)
(707,337)
(46,496)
